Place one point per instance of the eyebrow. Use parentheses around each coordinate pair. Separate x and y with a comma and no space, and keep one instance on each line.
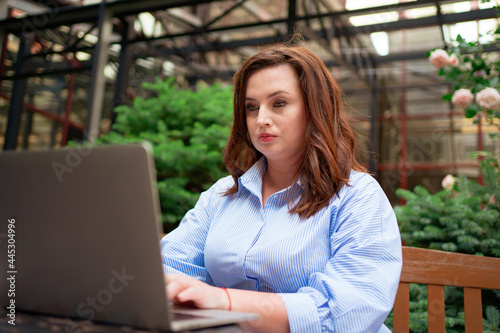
(277,92)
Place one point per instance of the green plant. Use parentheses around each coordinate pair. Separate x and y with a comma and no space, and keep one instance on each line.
(492,320)
(188,130)
(465,218)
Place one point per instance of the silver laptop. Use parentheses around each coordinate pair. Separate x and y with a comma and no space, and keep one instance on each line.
(79,237)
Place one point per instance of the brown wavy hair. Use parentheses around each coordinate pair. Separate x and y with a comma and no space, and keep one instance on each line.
(330,151)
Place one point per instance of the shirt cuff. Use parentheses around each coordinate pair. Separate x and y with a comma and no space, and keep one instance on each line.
(302,313)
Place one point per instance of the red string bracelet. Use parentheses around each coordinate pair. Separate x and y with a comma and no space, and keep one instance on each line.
(228,297)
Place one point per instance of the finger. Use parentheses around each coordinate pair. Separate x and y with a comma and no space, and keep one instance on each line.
(182,298)
(173,289)
(193,296)
(188,294)
(203,296)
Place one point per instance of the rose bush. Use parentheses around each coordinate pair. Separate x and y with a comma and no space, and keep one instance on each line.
(448,182)
(488,98)
(465,216)
(462,98)
(474,74)
(454,60)
(439,58)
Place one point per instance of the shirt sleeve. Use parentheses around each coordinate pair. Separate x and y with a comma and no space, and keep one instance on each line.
(182,250)
(356,289)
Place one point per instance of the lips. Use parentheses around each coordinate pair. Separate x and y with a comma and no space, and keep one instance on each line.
(266,137)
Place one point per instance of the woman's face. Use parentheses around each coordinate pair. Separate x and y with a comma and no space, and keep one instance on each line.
(275,113)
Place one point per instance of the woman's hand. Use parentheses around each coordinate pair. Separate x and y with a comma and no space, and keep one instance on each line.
(273,318)
(185,290)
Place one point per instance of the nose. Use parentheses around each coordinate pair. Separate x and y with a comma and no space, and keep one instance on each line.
(264,117)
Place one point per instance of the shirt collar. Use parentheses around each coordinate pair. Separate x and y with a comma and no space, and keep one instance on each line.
(252,179)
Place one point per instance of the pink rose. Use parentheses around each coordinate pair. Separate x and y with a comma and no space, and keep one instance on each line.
(448,182)
(453,60)
(480,73)
(439,58)
(492,199)
(462,98)
(488,98)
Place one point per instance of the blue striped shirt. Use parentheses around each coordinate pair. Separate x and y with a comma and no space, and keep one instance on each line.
(337,271)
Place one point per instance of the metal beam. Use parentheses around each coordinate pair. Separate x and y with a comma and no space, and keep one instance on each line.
(219,45)
(374,111)
(57,69)
(28,6)
(71,15)
(347,30)
(49,114)
(358,71)
(5,12)
(227,11)
(473,15)
(292,16)
(417,55)
(98,81)
(17,97)
(405,24)
(122,78)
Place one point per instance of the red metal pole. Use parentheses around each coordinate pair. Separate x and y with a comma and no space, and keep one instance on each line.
(381,118)
(427,166)
(403,166)
(67,109)
(74,63)
(480,147)
(475,5)
(48,114)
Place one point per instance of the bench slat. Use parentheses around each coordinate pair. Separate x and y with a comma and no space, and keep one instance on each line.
(473,310)
(451,269)
(435,308)
(401,322)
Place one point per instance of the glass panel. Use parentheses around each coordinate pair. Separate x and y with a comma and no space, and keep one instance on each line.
(390,182)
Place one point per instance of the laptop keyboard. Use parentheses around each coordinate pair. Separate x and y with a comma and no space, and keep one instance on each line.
(184,316)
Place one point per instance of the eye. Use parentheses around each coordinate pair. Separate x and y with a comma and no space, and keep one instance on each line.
(279,103)
(251,107)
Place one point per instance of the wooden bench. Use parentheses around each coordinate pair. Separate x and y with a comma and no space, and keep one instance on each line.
(437,269)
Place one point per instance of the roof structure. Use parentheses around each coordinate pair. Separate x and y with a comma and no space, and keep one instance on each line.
(101,51)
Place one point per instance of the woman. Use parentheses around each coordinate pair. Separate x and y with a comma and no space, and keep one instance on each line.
(299,233)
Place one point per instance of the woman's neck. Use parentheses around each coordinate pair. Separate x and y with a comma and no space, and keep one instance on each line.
(276,178)
(280,177)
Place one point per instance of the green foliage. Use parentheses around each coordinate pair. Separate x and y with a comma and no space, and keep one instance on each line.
(188,130)
(464,218)
(492,320)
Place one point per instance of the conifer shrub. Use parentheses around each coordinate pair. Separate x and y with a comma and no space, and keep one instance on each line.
(188,130)
(463,218)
